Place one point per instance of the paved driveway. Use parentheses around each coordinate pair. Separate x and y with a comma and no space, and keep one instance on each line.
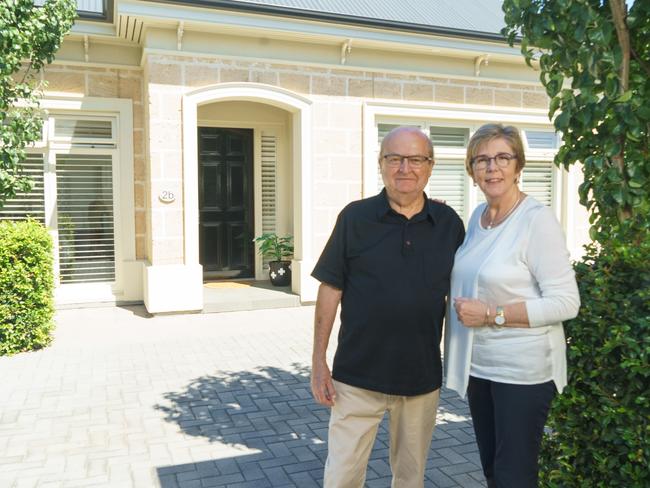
(199,400)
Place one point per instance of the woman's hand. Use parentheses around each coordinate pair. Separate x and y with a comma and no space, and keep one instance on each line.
(471,312)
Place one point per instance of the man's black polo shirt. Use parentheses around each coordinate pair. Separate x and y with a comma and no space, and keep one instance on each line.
(394,274)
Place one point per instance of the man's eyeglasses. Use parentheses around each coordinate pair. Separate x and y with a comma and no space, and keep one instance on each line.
(395,160)
(502,160)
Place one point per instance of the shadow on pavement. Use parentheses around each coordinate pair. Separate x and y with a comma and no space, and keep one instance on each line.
(270,433)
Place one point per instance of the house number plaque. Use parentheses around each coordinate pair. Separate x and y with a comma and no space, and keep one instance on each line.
(167,196)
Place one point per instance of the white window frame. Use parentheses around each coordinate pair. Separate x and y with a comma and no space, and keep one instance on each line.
(128,274)
(452,115)
(51,196)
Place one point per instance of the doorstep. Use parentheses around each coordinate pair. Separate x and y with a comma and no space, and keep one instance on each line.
(233,296)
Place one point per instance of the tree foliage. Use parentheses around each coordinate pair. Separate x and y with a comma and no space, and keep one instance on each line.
(595,65)
(594,61)
(29,37)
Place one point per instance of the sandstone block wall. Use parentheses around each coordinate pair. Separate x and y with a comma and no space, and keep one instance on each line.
(337,95)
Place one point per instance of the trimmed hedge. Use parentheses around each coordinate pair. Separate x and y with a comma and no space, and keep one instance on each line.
(26,287)
(599,434)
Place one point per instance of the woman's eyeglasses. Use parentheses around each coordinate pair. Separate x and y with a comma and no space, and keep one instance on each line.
(502,160)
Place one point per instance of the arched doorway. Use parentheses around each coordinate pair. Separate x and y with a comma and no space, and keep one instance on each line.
(229,97)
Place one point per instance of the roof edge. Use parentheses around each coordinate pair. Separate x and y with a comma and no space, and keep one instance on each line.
(339,18)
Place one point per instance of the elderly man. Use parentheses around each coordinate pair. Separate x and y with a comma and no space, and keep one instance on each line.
(388,263)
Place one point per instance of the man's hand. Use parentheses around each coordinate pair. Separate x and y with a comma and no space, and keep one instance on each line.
(471,312)
(327,303)
(322,386)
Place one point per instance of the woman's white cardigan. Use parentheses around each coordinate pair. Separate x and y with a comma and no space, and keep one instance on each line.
(523,259)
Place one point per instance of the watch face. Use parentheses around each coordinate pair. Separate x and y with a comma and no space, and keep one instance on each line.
(499,320)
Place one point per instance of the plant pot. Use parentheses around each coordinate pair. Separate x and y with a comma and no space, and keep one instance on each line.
(280,273)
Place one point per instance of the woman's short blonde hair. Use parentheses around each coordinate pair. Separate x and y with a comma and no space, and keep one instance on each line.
(489,132)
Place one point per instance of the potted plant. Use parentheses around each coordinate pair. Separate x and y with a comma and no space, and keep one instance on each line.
(279,251)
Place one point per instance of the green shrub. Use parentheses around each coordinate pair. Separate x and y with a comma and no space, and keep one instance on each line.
(26,287)
(600,426)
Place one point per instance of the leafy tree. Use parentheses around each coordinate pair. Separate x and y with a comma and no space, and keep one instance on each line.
(29,37)
(594,59)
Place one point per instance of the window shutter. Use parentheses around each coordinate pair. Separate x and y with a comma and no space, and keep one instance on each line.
(85,218)
(269,172)
(449,136)
(537,181)
(447,183)
(30,204)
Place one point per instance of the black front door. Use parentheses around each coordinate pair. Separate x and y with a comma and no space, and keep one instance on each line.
(226,202)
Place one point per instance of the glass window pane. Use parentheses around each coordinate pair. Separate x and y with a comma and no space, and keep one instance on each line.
(538,139)
(83,129)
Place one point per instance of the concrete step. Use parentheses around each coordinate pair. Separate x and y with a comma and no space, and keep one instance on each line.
(233,296)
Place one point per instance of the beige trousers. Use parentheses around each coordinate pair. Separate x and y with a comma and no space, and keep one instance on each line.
(353,425)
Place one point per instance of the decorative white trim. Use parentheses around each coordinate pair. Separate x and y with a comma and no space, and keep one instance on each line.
(300,108)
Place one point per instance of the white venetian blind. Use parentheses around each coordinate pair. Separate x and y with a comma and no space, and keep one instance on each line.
(447,183)
(449,136)
(96,6)
(85,217)
(448,176)
(31,204)
(269,169)
(537,181)
(269,175)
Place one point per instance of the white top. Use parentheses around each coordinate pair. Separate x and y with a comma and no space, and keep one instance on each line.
(523,259)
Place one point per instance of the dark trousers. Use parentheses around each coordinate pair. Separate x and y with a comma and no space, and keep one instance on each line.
(509,423)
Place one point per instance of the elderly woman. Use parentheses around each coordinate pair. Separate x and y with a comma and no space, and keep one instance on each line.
(512,286)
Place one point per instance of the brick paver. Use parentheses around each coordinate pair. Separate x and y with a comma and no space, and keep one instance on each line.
(199,400)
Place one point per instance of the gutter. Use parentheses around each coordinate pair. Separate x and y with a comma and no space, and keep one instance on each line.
(338,18)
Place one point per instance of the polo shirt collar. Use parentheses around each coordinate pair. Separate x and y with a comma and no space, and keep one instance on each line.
(383,207)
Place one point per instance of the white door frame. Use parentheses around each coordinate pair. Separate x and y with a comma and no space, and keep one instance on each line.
(300,109)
